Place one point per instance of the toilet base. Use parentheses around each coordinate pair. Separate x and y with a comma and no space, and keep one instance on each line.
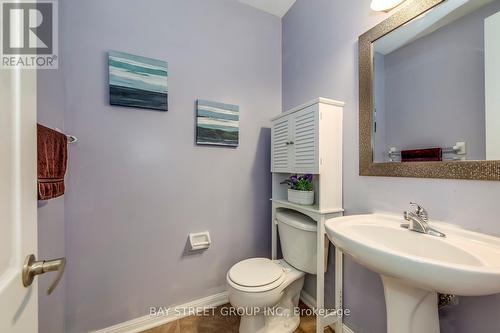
(269,324)
(280,318)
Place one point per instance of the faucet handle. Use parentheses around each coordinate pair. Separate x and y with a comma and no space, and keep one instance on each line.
(420,211)
(406,215)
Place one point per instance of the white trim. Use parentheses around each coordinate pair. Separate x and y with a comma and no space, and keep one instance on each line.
(150,321)
(307,299)
(328,320)
(311,303)
(346,329)
(318,100)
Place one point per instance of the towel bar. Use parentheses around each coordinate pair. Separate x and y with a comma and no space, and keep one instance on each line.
(71,138)
(457,149)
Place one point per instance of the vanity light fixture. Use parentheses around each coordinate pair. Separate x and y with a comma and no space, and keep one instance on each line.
(384,5)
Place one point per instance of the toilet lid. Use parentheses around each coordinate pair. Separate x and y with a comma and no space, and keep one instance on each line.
(255,272)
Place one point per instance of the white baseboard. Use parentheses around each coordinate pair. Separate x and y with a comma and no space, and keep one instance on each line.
(150,321)
(346,329)
(307,299)
(311,303)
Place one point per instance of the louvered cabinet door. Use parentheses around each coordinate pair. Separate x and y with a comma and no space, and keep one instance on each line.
(305,141)
(281,145)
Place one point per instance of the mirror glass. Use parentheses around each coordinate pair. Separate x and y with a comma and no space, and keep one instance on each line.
(436,86)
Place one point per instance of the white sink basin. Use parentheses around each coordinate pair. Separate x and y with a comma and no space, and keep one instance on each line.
(415,266)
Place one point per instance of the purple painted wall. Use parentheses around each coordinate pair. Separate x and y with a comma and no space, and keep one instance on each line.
(51,228)
(379,99)
(138,184)
(448,67)
(320,59)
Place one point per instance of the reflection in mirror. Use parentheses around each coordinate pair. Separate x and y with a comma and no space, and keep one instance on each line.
(436,86)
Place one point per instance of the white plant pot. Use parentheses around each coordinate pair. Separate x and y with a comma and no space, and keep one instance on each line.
(301,197)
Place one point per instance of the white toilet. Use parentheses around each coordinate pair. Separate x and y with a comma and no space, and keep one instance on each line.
(265,292)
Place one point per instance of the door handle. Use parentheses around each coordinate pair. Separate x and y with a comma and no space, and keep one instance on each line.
(32,268)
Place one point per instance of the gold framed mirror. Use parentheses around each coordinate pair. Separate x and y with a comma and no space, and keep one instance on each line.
(417,22)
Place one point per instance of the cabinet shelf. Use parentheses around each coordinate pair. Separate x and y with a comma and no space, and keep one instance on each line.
(302,208)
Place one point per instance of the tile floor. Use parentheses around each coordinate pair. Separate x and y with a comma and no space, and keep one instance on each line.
(217,323)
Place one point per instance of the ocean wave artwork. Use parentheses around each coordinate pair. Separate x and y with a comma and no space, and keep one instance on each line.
(137,81)
(217,124)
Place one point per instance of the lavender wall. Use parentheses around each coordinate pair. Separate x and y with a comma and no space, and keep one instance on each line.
(320,59)
(447,67)
(138,184)
(379,98)
(51,228)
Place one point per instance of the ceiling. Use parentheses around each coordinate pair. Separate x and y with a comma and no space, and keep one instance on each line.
(276,7)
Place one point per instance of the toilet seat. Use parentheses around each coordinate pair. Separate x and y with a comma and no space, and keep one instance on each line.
(256,275)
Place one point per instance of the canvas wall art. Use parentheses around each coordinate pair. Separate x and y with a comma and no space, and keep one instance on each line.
(137,81)
(217,124)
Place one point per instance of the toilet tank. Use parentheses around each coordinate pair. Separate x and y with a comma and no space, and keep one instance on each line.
(297,234)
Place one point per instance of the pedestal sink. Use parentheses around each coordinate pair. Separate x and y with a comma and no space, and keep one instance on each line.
(415,267)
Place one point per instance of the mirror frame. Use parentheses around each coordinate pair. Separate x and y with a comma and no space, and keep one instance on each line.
(477,170)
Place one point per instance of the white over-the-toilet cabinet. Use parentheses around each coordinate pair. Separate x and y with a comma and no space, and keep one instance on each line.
(305,137)
(308,139)
(295,141)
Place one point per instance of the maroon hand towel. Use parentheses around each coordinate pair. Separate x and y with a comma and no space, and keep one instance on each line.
(422,155)
(52,158)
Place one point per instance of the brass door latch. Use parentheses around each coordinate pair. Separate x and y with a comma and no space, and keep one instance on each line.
(33,268)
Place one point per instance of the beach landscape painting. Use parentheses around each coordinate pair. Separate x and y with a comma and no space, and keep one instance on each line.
(217,124)
(137,81)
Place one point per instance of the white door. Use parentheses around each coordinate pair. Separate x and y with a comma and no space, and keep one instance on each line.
(280,147)
(305,140)
(18,199)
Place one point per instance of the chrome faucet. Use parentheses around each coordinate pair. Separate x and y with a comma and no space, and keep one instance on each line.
(418,221)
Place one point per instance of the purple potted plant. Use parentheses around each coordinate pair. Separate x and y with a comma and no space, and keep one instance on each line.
(301,189)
